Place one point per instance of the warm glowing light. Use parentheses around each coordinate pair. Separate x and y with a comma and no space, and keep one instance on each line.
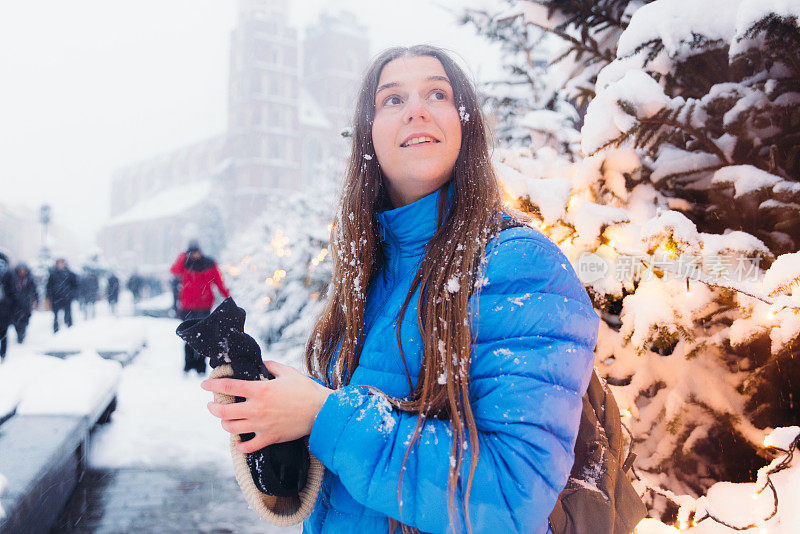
(771,315)
(670,247)
(627,413)
(571,203)
(510,202)
(316,260)
(768,442)
(267,300)
(279,242)
(755,495)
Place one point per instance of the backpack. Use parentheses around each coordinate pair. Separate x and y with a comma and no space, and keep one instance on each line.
(598,497)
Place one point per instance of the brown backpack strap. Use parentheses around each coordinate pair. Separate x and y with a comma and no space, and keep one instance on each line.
(507,224)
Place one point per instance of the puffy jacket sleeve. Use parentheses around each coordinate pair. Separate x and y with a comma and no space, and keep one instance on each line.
(534,333)
(178,267)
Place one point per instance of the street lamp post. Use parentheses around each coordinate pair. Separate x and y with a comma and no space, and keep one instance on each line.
(44,220)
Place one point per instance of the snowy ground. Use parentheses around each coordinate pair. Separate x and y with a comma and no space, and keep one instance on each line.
(161,439)
(161,417)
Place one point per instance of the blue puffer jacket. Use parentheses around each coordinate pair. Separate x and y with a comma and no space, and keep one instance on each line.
(534,333)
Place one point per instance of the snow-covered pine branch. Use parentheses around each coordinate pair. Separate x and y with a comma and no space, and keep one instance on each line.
(683,225)
(717,83)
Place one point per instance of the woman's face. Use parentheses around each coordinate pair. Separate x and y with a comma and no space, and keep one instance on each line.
(416,131)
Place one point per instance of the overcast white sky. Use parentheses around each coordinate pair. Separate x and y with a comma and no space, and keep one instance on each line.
(89,85)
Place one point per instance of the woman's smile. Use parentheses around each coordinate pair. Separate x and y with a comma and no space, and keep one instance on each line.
(418,139)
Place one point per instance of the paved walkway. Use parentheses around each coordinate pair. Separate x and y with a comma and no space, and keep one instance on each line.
(162,501)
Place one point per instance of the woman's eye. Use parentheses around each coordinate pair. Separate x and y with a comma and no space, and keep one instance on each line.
(393,100)
(439,95)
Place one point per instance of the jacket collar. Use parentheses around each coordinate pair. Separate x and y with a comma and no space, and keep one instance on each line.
(408,229)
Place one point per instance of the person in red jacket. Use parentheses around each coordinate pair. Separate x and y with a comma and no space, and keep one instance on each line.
(197,273)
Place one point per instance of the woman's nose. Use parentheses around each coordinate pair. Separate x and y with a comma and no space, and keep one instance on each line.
(417,108)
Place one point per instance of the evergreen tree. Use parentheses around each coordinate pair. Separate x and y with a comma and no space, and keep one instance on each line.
(279,269)
(554,50)
(686,198)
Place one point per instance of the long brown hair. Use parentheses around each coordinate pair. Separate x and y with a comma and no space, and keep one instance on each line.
(452,259)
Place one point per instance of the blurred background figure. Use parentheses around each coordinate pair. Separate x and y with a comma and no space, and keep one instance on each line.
(27,299)
(175,287)
(88,292)
(112,292)
(196,274)
(7,302)
(61,289)
(135,285)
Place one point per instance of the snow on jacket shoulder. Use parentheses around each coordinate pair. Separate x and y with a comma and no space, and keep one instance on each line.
(534,333)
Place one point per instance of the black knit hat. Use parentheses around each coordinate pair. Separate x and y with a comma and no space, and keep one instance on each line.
(194,246)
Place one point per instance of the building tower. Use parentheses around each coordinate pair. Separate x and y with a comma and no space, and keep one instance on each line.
(335,54)
(263,138)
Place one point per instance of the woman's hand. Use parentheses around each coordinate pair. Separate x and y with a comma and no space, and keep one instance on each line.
(276,410)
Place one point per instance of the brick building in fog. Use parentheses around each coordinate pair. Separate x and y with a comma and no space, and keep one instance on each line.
(285,116)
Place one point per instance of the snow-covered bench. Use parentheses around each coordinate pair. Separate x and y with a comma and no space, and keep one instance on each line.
(158,306)
(41,457)
(107,336)
(57,403)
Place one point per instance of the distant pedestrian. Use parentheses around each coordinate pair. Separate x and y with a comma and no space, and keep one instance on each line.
(197,273)
(135,285)
(88,292)
(61,289)
(112,292)
(8,298)
(27,299)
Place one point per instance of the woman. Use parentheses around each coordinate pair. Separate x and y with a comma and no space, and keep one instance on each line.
(452,356)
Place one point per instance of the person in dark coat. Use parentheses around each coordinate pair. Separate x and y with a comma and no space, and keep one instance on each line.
(135,285)
(197,273)
(61,289)
(112,292)
(88,292)
(8,299)
(27,299)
